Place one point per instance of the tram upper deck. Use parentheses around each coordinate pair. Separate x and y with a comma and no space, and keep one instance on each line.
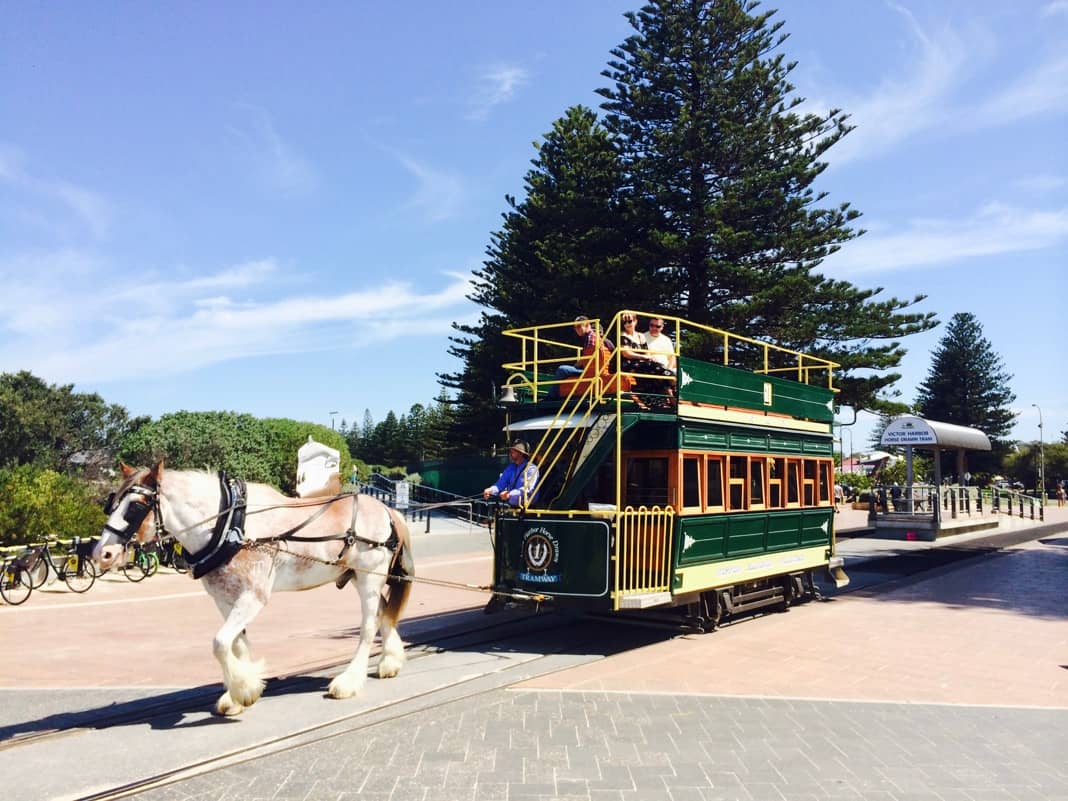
(718,375)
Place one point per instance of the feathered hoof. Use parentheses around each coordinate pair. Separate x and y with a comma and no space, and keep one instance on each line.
(246,684)
(226,707)
(389,666)
(346,685)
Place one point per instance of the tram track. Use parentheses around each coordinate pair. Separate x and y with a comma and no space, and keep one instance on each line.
(480,631)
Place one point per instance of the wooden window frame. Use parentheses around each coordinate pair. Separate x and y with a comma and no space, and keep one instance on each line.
(776,484)
(721,460)
(762,463)
(731,481)
(698,459)
(793,470)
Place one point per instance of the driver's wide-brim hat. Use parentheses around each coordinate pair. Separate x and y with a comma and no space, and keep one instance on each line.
(521,446)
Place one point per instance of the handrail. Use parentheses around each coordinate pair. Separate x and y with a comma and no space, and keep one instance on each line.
(543,346)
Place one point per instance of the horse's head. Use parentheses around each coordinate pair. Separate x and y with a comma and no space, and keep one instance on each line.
(130,509)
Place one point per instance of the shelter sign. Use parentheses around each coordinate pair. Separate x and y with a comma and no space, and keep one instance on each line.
(908,431)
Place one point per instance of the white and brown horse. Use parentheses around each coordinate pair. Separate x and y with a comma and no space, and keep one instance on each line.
(341,538)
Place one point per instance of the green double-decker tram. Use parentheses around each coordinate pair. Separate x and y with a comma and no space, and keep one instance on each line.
(704,487)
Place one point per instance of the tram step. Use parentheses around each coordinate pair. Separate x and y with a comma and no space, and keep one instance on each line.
(644,600)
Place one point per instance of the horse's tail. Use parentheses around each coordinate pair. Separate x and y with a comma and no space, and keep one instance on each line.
(401,570)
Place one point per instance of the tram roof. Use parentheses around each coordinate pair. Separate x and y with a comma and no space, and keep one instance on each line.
(551,421)
(908,429)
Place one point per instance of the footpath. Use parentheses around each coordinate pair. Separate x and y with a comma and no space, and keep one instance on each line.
(947,686)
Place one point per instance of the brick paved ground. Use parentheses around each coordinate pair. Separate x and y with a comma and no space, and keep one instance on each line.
(659,723)
(948,688)
(536,746)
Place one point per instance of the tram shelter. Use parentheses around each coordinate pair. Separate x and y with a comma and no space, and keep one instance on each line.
(928,509)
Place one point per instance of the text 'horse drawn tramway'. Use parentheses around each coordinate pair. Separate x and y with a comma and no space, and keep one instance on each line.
(703,489)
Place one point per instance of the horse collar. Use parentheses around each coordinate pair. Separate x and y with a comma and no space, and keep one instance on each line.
(228,535)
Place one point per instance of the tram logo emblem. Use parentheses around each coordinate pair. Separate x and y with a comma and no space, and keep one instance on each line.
(541,552)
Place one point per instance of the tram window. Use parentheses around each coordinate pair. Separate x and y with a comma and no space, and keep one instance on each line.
(736,482)
(808,488)
(756,482)
(793,483)
(714,477)
(775,483)
(647,481)
(691,483)
(825,482)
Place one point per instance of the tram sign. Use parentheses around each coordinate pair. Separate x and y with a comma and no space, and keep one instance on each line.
(908,430)
(557,557)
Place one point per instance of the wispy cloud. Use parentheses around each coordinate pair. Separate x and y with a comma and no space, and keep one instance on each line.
(1055,8)
(1041,90)
(495,85)
(275,163)
(994,229)
(945,87)
(439,194)
(53,203)
(908,102)
(98,328)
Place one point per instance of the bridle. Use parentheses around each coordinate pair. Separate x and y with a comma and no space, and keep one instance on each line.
(136,512)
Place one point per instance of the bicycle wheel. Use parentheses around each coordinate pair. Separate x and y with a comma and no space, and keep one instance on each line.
(151,559)
(15,584)
(134,567)
(38,573)
(178,560)
(78,573)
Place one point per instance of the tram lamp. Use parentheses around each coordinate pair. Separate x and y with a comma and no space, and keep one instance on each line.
(1041,459)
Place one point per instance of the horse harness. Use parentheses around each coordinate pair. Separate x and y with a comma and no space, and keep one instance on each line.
(228,534)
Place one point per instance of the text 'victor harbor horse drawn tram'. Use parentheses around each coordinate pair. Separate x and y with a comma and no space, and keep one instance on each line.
(704,489)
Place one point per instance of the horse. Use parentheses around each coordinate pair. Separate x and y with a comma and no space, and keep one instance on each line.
(345,538)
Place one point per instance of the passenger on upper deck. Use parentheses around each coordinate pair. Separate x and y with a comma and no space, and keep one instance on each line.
(661,344)
(590,337)
(517,484)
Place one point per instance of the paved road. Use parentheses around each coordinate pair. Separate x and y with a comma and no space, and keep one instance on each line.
(953,685)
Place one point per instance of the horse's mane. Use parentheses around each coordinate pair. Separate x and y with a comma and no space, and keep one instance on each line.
(212,476)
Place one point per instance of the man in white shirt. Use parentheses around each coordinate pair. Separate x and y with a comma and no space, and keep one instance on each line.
(660,343)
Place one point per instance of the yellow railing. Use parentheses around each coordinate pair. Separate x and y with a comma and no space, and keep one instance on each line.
(643,551)
(545,347)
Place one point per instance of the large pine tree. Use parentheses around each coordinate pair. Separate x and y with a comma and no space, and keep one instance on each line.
(712,138)
(967,383)
(572,246)
(697,196)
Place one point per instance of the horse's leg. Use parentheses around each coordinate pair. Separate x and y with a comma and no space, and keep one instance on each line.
(369,582)
(393,656)
(242,677)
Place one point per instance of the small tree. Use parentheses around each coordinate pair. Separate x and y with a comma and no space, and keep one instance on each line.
(968,385)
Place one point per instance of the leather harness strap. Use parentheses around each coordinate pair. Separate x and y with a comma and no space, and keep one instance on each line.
(228,536)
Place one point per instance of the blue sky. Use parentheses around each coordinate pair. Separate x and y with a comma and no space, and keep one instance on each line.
(276,209)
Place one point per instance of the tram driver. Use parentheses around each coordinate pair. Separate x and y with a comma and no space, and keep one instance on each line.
(518,483)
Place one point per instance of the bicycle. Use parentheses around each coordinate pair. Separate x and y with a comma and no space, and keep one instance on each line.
(77,570)
(172,555)
(15,582)
(141,561)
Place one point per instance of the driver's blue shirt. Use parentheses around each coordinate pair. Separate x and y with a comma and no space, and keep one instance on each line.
(519,480)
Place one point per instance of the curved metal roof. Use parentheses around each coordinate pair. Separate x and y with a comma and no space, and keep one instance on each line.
(908,429)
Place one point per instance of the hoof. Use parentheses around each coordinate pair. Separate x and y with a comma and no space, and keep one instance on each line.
(226,707)
(389,666)
(346,685)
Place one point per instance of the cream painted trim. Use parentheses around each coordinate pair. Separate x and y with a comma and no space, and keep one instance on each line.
(749,568)
(688,410)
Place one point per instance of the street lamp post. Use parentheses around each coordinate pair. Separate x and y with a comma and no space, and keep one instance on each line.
(332,420)
(1041,459)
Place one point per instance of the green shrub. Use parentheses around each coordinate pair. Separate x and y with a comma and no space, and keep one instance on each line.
(36,505)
